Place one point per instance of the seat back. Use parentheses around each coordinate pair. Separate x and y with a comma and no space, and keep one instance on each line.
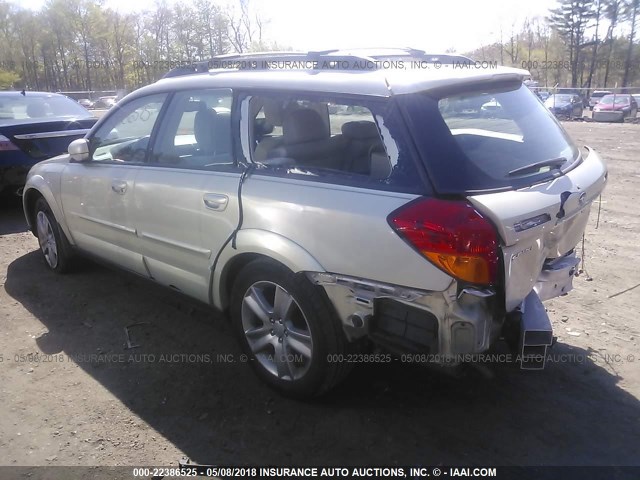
(203,127)
(379,164)
(307,140)
(360,138)
(212,131)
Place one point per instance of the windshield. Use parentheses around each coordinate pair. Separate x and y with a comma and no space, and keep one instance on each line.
(619,100)
(39,108)
(468,148)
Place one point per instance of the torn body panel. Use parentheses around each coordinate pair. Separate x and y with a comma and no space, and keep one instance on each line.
(449,322)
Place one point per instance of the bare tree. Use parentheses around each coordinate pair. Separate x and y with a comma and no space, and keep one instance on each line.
(631,11)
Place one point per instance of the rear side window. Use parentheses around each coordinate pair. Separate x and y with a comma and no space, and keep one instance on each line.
(350,141)
(491,138)
(339,114)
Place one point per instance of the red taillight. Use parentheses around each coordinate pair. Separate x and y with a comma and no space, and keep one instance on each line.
(453,236)
(6,144)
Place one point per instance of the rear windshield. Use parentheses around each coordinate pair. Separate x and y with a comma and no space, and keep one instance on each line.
(487,139)
(39,108)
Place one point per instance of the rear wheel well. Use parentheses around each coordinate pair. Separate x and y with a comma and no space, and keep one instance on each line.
(31,197)
(231,271)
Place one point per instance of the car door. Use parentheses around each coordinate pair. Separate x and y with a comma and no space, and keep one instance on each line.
(98,196)
(186,196)
(329,186)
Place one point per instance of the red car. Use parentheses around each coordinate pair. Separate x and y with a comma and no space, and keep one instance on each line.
(615,108)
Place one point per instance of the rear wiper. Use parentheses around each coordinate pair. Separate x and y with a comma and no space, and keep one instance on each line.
(554,162)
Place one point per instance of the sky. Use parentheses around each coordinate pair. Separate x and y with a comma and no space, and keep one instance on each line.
(435,26)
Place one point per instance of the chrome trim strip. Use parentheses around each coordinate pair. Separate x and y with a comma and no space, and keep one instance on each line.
(173,243)
(116,226)
(56,134)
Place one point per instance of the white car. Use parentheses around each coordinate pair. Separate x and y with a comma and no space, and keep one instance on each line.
(419,225)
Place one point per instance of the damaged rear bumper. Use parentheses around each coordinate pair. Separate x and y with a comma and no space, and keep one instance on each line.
(450,323)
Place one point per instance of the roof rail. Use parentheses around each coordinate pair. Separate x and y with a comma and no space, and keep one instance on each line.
(342,60)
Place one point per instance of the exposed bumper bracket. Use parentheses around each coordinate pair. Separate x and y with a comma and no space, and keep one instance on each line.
(536,333)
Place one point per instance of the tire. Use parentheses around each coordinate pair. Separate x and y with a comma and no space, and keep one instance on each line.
(289,329)
(54,246)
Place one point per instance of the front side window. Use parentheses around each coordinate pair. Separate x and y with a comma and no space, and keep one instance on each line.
(352,141)
(196,132)
(488,137)
(124,136)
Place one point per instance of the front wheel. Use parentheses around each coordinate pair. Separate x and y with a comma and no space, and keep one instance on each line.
(54,246)
(288,328)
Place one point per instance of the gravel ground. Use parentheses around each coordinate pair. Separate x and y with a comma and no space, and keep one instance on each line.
(71,393)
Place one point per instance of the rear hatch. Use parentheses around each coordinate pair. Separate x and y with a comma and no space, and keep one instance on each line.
(515,164)
(542,222)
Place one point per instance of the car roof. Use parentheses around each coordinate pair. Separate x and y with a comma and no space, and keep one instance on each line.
(381,83)
(28,93)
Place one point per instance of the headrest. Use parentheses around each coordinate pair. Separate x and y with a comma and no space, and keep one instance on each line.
(261,127)
(361,130)
(35,110)
(222,132)
(304,125)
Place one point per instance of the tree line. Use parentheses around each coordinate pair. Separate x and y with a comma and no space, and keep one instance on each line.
(81,45)
(73,45)
(579,44)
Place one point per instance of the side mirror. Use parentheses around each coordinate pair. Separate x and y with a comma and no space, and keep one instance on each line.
(79,150)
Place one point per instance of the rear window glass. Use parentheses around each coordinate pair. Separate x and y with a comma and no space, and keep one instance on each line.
(357,141)
(488,138)
(39,108)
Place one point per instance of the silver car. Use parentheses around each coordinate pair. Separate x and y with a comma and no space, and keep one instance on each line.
(337,213)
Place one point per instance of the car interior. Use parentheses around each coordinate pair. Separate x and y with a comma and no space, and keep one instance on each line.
(313,136)
(195,134)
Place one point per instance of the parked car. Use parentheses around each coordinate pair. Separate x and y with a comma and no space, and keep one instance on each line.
(565,105)
(321,235)
(105,102)
(86,103)
(35,126)
(543,94)
(596,96)
(576,91)
(615,108)
(492,108)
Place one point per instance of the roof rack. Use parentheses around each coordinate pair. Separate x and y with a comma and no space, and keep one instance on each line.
(342,60)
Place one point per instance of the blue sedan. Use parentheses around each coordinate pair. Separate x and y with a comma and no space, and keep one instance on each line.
(35,126)
(565,105)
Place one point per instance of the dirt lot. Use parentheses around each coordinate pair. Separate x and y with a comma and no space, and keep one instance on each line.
(87,400)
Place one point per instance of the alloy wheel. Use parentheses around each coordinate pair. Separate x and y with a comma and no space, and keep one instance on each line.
(277,330)
(47,239)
